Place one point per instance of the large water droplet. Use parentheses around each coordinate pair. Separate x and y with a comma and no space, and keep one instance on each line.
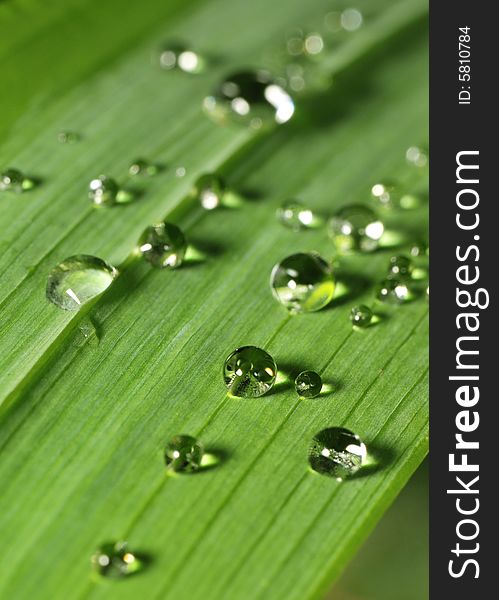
(163,245)
(114,560)
(252,98)
(77,280)
(303,282)
(355,227)
(308,384)
(249,372)
(183,454)
(336,452)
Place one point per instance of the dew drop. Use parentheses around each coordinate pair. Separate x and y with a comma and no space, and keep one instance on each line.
(416,156)
(251,98)
(308,384)
(103,191)
(143,168)
(163,245)
(296,216)
(209,189)
(355,227)
(114,560)
(77,280)
(400,267)
(393,291)
(303,282)
(361,316)
(180,171)
(336,452)
(178,56)
(13,180)
(87,333)
(183,454)
(249,372)
(68,137)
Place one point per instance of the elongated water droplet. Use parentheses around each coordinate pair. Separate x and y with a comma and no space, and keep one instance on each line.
(163,245)
(178,56)
(144,168)
(209,189)
(183,454)
(361,316)
(252,98)
(115,560)
(296,216)
(303,282)
(13,180)
(336,452)
(249,372)
(77,280)
(308,384)
(355,227)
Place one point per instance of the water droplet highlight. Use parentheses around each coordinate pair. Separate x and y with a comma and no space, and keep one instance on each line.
(336,452)
(355,227)
(13,180)
(303,282)
(114,560)
(249,372)
(251,98)
(103,191)
(184,454)
(77,280)
(296,216)
(178,56)
(163,245)
(209,189)
(308,384)
(361,316)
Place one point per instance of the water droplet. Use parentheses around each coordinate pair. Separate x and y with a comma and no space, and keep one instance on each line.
(336,452)
(178,56)
(249,372)
(416,156)
(103,191)
(68,137)
(303,282)
(163,245)
(296,216)
(385,193)
(180,172)
(308,384)
(87,333)
(418,249)
(394,291)
(209,189)
(13,180)
(143,168)
(356,227)
(183,454)
(361,315)
(252,98)
(114,560)
(351,19)
(400,267)
(77,280)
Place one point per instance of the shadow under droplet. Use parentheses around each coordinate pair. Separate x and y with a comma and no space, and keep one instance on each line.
(378,458)
(329,387)
(348,287)
(213,458)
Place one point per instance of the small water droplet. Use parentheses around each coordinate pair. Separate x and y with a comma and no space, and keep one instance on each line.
(351,19)
(209,189)
(418,249)
(178,56)
(103,191)
(68,137)
(78,279)
(115,560)
(13,180)
(87,333)
(180,172)
(184,454)
(394,291)
(416,156)
(361,316)
(336,452)
(163,245)
(144,168)
(296,216)
(249,372)
(400,267)
(355,227)
(308,384)
(303,282)
(251,98)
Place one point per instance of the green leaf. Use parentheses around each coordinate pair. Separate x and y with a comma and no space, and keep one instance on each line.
(84,424)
